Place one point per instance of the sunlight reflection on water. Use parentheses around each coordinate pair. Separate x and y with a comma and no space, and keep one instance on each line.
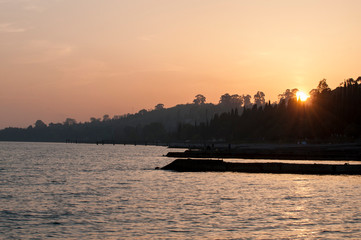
(112,192)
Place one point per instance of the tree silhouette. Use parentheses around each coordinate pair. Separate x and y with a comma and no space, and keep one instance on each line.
(40,124)
(323,86)
(231,101)
(106,118)
(247,101)
(70,121)
(236,101)
(288,95)
(159,107)
(199,99)
(259,99)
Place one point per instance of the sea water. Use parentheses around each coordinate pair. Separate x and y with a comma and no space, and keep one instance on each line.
(84,191)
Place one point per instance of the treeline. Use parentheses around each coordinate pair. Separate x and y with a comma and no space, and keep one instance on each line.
(328,115)
(155,125)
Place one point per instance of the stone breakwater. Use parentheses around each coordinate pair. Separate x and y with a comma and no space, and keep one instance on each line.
(199,165)
(276,151)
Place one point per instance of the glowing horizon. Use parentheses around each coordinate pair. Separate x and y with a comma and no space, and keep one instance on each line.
(115,57)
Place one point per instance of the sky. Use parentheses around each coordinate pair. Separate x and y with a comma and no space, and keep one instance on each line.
(86,58)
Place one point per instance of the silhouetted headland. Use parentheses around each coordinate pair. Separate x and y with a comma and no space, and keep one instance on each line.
(198,165)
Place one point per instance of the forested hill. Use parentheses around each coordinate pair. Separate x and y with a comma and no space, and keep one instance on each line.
(328,115)
(156,125)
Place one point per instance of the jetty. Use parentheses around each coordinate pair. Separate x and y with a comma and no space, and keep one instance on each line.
(206,165)
(342,152)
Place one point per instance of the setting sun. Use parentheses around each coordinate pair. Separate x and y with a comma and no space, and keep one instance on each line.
(302,96)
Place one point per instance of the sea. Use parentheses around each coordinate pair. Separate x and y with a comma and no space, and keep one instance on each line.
(89,191)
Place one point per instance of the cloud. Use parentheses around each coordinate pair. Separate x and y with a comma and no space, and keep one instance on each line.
(10,28)
(44,51)
(28,5)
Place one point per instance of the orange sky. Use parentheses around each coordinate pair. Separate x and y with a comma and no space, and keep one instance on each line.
(87,58)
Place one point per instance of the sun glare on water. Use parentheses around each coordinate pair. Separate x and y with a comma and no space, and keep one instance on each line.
(302,96)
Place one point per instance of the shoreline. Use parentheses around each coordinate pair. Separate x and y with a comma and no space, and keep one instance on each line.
(271,151)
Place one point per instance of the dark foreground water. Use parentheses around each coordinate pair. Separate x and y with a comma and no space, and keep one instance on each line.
(76,191)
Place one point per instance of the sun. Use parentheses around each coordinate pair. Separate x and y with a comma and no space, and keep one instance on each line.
(302,96)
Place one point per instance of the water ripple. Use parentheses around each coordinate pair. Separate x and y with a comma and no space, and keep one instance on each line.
(81,191)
